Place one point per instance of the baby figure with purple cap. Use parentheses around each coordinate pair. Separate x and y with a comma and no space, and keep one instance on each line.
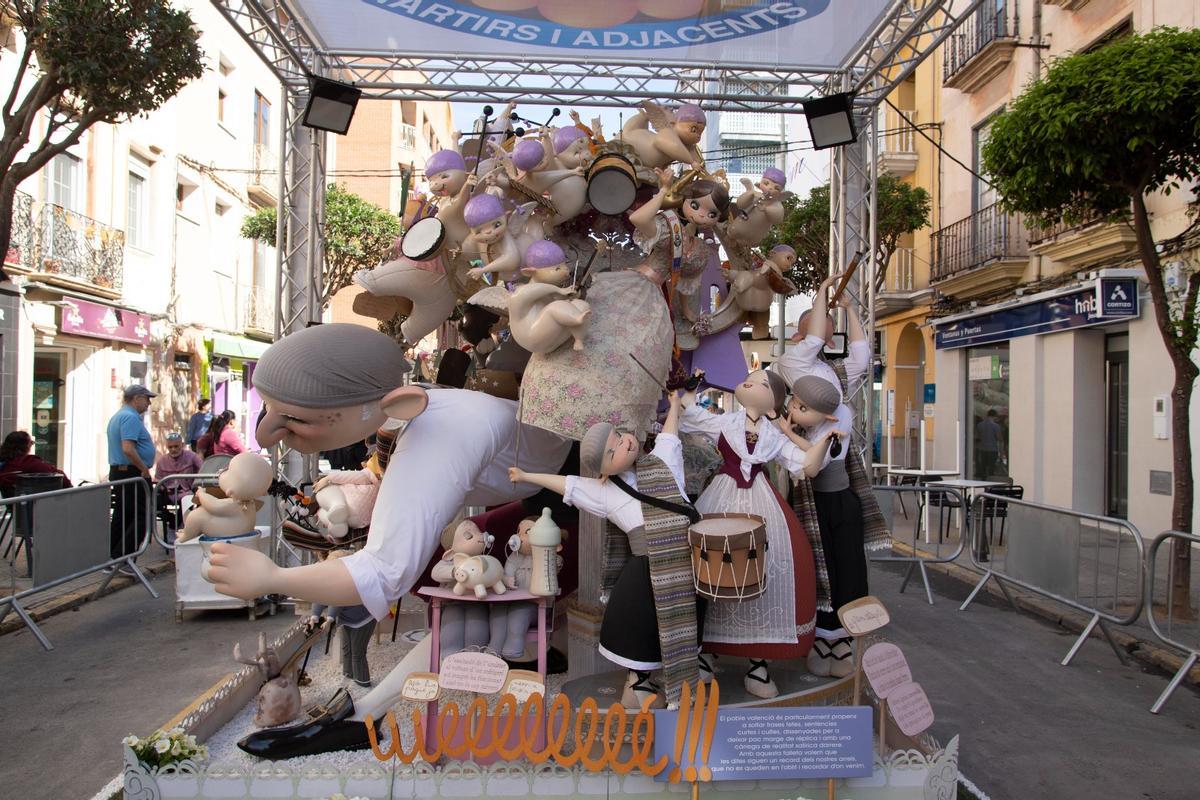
(759,208)
(494,232)
(447,175)
(675,137)
(532,173)
(544,313)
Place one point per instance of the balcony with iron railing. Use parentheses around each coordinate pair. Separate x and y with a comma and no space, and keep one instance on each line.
(264,176)
(897,291)
(986,252)
(1081,243)
(982,47)
(258,309)
(408,136)
(897,142)
(61,246)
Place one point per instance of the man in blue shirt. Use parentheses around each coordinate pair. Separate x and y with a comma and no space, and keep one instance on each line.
(130,455)
(198,423)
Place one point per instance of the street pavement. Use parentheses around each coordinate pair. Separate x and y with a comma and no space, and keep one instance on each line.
(120,665)
(1029,728)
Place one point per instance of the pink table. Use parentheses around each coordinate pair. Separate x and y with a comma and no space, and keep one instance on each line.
(438,597)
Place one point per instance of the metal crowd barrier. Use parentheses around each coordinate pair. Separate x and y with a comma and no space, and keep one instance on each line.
(69,531)
(1066,556)
(944,499)
(1192,651)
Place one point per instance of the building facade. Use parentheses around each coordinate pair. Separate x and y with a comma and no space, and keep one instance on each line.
(1048,372)
(387,140)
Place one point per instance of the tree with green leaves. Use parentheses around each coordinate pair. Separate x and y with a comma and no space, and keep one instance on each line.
(902,208)
(1094,137)
(357,235)
(83,62)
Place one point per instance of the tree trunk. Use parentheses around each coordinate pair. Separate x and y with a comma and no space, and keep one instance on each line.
(1181,396)
(7,198)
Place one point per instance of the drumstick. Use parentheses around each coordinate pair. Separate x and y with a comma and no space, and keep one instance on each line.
(648,372)
(846,278)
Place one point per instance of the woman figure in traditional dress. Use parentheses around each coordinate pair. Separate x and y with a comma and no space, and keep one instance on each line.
(676,244)
(780,623)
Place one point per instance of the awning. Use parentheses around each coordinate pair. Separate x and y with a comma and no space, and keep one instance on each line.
(238,346)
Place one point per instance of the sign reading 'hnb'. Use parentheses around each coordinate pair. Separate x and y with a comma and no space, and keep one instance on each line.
(1108,300)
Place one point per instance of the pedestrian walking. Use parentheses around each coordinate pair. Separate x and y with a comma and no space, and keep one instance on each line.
(176,461)
(198,423)
(130,455)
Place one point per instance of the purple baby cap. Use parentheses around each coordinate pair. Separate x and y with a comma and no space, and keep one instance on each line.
(775,174)
(444,160)
(783,248)
(564,137)
(528,154)
(482,208)
(544,253)
(690,112)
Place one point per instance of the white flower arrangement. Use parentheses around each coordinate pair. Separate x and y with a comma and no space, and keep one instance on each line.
(166,747)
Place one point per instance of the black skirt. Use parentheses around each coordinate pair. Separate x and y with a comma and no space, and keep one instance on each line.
(840,517)
(629,630)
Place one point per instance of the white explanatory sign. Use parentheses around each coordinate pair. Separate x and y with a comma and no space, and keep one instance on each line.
(886,668)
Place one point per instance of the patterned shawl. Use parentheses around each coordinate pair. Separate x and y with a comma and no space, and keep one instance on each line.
(875,533)
(670,573)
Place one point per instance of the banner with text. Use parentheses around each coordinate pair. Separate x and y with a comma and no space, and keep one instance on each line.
(773,33)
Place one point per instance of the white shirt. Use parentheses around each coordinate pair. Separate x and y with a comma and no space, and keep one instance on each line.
(772,444)
(606,499)
(804,358)
(844,424)
(456,453)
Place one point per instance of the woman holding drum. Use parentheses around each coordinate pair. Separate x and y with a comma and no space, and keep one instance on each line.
(780,622)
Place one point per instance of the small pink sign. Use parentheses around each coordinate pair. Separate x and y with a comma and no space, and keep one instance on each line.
(886,668)
(862,616)
(910,708)
(473,672)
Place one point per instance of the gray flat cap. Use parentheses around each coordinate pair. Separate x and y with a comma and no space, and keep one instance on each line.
(592,445)
(328,366)
(817,393)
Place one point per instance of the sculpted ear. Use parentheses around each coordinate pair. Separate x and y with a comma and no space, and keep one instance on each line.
(407,402)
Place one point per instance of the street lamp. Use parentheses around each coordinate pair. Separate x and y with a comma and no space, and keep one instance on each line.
(830,120)
(330,105)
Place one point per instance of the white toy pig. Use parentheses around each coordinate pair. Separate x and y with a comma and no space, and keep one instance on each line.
(478,573)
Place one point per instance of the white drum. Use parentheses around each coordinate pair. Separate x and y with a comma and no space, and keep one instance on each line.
(612,184)
(424,240)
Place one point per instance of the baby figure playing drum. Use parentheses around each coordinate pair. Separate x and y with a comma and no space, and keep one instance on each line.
(545,313)
(651,618)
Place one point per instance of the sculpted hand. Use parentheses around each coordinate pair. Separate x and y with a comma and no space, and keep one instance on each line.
(321,484)
(666,177)
(241,571)
(516,475)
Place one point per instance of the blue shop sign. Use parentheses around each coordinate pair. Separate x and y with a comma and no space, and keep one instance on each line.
(1108,300)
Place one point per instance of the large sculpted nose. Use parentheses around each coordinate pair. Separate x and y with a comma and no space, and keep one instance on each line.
(270,430)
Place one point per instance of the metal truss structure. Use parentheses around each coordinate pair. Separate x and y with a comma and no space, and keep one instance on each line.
(907,32)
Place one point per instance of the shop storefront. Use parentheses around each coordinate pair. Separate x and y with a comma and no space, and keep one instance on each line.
(230,380)
(83,354)
(1039,392)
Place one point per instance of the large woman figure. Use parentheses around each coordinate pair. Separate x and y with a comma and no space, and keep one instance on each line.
(780,623)
(567,391)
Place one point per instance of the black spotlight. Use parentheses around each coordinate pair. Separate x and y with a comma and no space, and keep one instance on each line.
(330,105)
(831,120)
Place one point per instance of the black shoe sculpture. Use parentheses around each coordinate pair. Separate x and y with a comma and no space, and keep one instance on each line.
(326,733)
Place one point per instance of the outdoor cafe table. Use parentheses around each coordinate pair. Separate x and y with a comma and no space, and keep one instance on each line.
(924,477)
(970,489)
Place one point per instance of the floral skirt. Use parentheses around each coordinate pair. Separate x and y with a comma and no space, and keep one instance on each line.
(567,391)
